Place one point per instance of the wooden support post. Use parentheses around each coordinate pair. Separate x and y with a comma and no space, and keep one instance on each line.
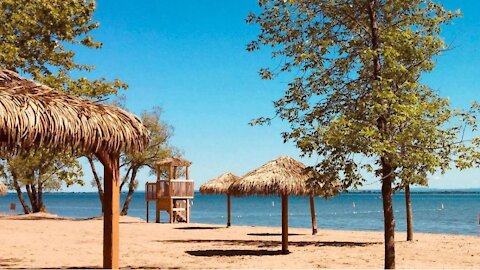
(111,215)
(314,215)
(171,211)
(146,198)
(157,203)
(284,224)
(147,211)
(187,172)
(229,209)
(170,173)
(187,210)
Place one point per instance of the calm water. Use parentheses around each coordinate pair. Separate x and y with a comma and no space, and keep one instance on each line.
(459,215)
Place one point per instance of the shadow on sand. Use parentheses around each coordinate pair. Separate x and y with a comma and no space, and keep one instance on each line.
(98,267)
(233,253)
(63,267)
(270,244)
(32,217)
(199,228)
(274,234)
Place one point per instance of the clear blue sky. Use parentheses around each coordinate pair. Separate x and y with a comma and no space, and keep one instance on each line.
(189,58)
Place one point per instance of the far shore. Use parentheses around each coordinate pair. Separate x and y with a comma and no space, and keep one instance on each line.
(373,191)
(49,241)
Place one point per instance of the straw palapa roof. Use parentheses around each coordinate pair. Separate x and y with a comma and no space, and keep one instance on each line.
(283,175)
(3,189)
(219,185)
(34,115)
(173,161)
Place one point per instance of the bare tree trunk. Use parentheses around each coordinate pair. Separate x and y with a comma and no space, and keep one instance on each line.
(408,203)
(97,180)
(32,194)
(40,204)
(131,190)
(35,197)
(125,178)
(314,215)
(26,209)
(389,219)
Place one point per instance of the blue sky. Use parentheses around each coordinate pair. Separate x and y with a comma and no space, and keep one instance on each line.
(189,58)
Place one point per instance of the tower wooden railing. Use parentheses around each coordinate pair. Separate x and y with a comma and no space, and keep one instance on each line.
(166,192)
(170,189)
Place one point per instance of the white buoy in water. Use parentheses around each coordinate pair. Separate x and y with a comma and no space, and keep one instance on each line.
(443,207)
(354,205)
(273,204)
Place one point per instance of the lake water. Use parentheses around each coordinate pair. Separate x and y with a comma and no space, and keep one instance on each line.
(435,213)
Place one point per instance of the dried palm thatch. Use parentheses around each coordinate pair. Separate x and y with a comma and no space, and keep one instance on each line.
(3,189)
(283,175)
(34,115)
(173,161)
(219,185)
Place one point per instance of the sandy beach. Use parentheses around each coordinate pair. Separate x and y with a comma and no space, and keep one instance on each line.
(47,241)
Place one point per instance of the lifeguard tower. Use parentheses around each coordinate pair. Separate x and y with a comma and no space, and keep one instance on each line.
(170,193)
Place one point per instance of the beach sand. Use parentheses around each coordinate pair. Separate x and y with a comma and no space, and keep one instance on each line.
(47,241)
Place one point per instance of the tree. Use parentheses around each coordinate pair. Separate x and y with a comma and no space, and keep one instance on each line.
(38,172)
(409,177)
(38,38)
(355,91)
(34,38)
(158,148)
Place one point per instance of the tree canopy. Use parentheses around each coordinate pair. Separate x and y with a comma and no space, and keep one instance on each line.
(39,38)
(40,171)
(335,103)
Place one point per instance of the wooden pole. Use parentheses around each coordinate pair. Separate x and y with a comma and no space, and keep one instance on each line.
(408,203)
(187,210)
(112,211)
(284,224)
(314,215)
(170,173)
(171,211)
(146,198)
(147,211)
(157,203)
(229,210)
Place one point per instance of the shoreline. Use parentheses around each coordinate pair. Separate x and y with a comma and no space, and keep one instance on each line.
(7,216)
(435,191)
(49,241)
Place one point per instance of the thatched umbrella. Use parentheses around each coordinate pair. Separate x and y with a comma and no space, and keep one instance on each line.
(283,176)
(220,185)
(3,189)
(172,163)
(35,116)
